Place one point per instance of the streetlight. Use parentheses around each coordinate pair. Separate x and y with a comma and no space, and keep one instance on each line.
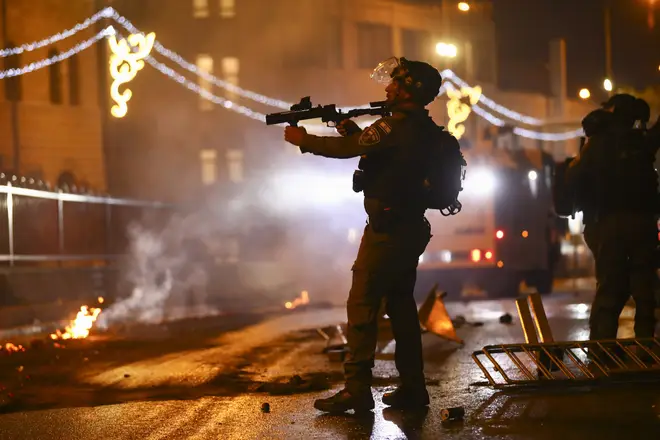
(446,50)
(607,85)
(584,94)
(463,6)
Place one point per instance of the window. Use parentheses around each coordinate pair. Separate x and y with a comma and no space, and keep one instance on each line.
(227,8)
(200,8)
(55,79)
(235,165)
(12,84)
(416,44)
(208,160)
(205,64)
(74,80)
(230,69)
(374,44)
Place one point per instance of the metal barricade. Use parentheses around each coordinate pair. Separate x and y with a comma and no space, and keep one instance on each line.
(542,361)
(46,226)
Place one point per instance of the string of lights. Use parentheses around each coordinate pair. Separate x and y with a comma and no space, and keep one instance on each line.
(257,97)
(111,13)
(59,57)
(273,102)
(530,134)
(29,47)
(451,76)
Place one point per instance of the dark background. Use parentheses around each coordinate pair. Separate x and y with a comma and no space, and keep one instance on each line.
(525,27)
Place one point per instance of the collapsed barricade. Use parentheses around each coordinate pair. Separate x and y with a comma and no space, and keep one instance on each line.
(542,361)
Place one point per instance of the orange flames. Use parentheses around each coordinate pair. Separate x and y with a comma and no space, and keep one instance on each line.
(11,348)
(79,327)
(300,301)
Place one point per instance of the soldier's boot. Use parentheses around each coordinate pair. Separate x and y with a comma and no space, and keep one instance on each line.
(344,400)
(407,398)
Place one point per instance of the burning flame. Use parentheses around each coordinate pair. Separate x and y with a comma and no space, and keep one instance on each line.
(302,300)
(79,327)
(12,348)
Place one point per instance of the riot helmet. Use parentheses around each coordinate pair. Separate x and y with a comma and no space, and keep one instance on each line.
(628,109)
(421,80)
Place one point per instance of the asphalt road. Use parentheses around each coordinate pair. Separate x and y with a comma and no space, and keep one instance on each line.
(208,380)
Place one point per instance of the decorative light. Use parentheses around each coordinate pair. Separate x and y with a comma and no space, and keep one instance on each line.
(59,57)
(125,62)
(450,75)
(458,111)
(29,47)
(111,13)
(607,85)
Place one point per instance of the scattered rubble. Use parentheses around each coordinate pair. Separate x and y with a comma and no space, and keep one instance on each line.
(296,385)
(506,318)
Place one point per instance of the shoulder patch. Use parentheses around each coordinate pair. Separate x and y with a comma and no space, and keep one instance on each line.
(370,136)
(387,128)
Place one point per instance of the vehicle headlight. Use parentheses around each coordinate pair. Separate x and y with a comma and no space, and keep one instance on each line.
(480,181)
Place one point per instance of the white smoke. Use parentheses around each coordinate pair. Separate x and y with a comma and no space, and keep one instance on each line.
(167,283)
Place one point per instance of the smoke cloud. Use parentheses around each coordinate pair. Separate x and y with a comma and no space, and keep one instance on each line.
(294,230)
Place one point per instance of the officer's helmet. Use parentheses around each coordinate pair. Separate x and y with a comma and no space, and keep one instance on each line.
(420,79)
(629,109)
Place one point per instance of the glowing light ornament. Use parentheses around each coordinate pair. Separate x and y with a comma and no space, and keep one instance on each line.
(36,65)
(458,111)
(28,47)
(125,62)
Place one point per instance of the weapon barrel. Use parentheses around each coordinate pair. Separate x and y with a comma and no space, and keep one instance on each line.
(279,118)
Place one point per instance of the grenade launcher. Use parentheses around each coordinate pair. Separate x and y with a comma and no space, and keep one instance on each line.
(328,113)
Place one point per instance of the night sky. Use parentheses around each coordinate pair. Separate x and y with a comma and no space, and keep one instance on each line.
(524,28)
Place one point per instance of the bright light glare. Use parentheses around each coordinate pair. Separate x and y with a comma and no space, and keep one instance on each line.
(446,50)
(464,6)
(293,190)
(445,256)
(480,181)
(584,94)
(532,175)
(607,85)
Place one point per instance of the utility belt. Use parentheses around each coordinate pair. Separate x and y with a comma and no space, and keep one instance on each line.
(390,220)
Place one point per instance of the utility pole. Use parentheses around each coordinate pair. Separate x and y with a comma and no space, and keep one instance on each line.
(13,104)
(608,42)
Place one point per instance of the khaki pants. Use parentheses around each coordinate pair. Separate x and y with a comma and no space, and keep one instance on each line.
(386,268)
(623,245)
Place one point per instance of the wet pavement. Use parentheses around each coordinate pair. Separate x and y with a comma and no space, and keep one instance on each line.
(168,384)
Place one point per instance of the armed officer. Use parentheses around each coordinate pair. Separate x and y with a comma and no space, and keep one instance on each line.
(391,175)
(617,188)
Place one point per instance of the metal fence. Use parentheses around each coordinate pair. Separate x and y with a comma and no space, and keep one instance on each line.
(39,227)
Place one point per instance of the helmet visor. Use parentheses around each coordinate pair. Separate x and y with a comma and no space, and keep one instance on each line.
(383,72)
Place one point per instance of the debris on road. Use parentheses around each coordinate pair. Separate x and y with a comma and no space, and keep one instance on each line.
(506,318)
(452,414)
(296,385)
(265,407)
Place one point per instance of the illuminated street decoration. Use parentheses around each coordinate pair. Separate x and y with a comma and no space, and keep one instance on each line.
(486,108)
(459,108)
(125,62)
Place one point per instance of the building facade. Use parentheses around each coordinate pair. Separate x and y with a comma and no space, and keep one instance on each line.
(284,49)
(51,118)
